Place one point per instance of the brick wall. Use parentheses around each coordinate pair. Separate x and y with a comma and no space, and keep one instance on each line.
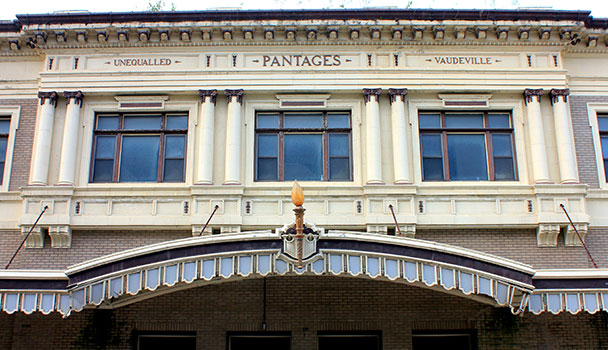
(24,139)
(519,245)
(583,138)
(304,305)
(86,245)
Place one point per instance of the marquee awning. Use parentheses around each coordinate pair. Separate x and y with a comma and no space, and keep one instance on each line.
(126,277)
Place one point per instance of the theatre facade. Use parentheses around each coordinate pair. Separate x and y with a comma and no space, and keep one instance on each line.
(453,166)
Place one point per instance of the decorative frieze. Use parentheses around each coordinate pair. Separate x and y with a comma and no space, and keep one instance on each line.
(418,33)
(61,37)
(290,34)
(269,33)
(355,33)
(376,33)
(184,35)
(102,37)
(544,33)
(312,33)
(40,38)
(144,35)
(164,35)
(397,33)
(546,235)
(14,45)
(502,33)
(123,36)
(592,41)
(438,33)
(524,33)
(227,34)
(81,37)
(482,33)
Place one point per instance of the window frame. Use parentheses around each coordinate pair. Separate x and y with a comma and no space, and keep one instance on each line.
(168,334)
(12,113)
(119,134)
(281,131)
(594,110)
(470,334)
(486,131)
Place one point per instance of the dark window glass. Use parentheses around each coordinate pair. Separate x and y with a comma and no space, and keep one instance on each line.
(107,122)
(432,156)
(177,122)
(5,125)
(430,121)
(139,158)
(139,148)
(460,121)
(303,146)
(268,121)
(467,157)
(303,121)
(142,122)
(467,146)
(602,121)
(328,341)
(303,157)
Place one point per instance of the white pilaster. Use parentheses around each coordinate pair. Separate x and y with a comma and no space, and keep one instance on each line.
(206,122)
(373,140)
(69,147)
(400,144)
(44,137)
(564,137)
(538,150)
(232,175)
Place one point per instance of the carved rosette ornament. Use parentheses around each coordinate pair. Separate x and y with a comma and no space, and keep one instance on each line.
(556,93)
(367,93)
(234,93)
(77,96)
(530,94)
(51,96)
(212,94)
(393,93)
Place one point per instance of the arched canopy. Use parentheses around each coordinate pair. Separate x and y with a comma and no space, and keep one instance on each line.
(123,277)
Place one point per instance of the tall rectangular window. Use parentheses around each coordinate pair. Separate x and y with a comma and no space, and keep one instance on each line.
(308,146)
(139,148)
(602,122)
(467,146)
(5,126)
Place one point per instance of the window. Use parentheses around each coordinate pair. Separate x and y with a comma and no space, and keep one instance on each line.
(313,146)
(139,148)
(5,126)
(602,122)
(468,146)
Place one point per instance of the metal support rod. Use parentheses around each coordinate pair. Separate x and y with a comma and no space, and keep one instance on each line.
(26,237)
(578,235)
(299,210)
(390,206)
(210,216)
(264,326)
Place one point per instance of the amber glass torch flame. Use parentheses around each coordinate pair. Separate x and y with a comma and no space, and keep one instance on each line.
(297,195)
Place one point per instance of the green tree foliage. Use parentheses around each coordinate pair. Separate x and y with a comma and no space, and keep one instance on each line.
(158,6)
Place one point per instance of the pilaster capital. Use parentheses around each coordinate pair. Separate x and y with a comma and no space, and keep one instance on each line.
(212,94)
(556,93)
(77,96)
(50,95)
(236,93)
(393,93)
(529,95)
(367,93)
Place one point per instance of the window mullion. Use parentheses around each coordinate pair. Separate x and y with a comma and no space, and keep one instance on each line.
(490,155)
(445,157)
(118,140)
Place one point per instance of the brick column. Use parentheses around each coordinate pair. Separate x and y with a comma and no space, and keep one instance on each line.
(206,121)
(564,136)
(538,150)
(44,138)
(232,175)
(373,144)
(69,147)
(401,162)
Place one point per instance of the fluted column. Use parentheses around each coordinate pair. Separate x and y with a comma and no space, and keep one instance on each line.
(206,121)
(233,137)
(538,150)
(69,147)
(401,162)
(44,138)
(374,156)
(564,136)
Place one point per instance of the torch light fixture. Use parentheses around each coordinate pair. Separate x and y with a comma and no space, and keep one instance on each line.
(297,198)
